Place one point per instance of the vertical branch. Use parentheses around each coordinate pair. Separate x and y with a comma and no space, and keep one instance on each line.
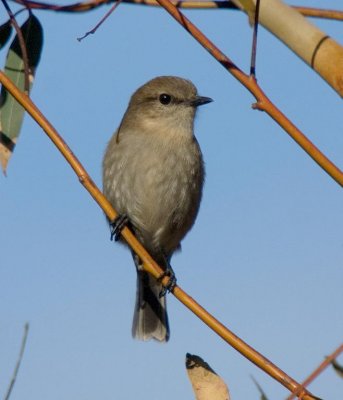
(103,19)
(254,41)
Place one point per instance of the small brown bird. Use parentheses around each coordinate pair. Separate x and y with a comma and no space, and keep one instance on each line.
(153,175)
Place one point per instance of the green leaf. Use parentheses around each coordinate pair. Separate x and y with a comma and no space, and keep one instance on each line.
(5,33)
(11,113)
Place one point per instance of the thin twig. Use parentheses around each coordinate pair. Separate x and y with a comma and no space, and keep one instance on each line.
(27,6)
(74,7)
(103,19)
(263,103)
(319,369)
(254,41)
(22,46)
(193,4)
(20,357)
(320,13)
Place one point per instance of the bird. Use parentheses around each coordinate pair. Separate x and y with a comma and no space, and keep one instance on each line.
(153,176)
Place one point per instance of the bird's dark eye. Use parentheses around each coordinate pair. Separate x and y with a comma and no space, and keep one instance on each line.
(165,98)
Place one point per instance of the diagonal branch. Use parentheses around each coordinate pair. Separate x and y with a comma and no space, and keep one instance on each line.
(314,46)
(320,13)
(149,264)
(328,360)
(263,103)
(103,19)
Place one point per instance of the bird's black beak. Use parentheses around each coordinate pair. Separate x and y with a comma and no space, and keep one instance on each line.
(200,100)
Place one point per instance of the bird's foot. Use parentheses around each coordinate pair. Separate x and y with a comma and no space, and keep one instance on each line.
(171,283)
(117,225)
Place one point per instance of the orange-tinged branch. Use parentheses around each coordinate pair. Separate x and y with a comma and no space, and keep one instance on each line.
(263,102)
(148,262)
(328,360)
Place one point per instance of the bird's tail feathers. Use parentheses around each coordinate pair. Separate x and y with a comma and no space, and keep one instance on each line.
(150,320)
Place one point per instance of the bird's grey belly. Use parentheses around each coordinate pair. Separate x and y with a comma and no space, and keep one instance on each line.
(161,197)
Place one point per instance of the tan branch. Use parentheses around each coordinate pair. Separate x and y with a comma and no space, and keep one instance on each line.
(149,264)
(319,369)
(263,102)
(312,45)
(320,13)
(191,4)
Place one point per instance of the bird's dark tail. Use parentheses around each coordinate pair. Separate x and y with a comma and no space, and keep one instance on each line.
(150,320)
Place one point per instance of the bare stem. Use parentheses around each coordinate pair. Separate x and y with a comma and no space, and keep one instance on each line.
(320,13)
(22,46)
(20,357)
(263,103)
(103,19)
(193,4)
(328,360)
(254,41)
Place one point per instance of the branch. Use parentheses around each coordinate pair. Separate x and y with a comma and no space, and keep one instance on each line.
(320,13)
(263,103)
(75,7)
(149,264)
(328,360)
(190,4)
(322,53)
(20,357)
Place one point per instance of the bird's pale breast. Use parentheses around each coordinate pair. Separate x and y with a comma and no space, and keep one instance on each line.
(157,185)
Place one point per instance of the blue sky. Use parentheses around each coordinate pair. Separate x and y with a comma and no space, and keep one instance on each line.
(265,255)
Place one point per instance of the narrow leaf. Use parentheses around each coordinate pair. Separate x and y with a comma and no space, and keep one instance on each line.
(5,33)
(337,367)
(262,393)
(11,113)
